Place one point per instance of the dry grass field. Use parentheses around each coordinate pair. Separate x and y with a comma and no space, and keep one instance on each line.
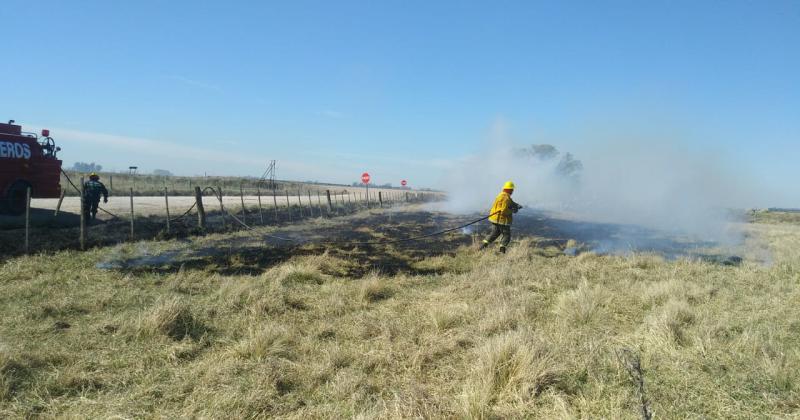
(425,329)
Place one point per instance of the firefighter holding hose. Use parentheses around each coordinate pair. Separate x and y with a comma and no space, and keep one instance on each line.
(92,190)
(501,216)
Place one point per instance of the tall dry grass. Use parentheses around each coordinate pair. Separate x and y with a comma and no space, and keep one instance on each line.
(524,334)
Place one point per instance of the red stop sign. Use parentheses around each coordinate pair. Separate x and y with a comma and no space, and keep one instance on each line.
(365,178)
(403,183)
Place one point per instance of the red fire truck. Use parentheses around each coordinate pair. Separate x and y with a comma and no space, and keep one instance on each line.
(27,160)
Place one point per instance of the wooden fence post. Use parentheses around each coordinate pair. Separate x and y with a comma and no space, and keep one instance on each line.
(221,207)
(111,181)
(60,200)
(260,210)
(300,204)
(27,218)
(132,233)
(319,202)
(201,212)
(310,204)
(244,212)
(83,217)
(330,205)
(380,199)
(288,206)
(275,202)
(166,204)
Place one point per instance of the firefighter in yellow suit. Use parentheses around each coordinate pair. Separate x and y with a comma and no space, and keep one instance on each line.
(501,216)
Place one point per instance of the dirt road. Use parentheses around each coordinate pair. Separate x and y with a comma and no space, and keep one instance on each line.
(150,206)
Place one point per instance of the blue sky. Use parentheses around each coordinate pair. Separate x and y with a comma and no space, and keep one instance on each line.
(404,89)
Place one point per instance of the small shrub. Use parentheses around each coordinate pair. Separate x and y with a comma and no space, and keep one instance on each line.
(270,341)
(73,380)
(303,277)
(298,272)
(647,261)
(16,372)
(6,366)
(670,322)
(460,263)
(339,357)
(511,368)
(173,318)
(500,319)
(257,296)
(375,289)
(782,369)
(448,316)
(583,305)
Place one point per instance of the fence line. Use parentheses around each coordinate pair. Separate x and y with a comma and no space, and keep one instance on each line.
(336,202)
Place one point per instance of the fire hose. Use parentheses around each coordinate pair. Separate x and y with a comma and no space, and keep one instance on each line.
(428,235)
(441,232)
(376,242)
(184,213)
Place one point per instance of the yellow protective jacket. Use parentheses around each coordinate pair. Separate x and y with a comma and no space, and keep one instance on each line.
(502,209)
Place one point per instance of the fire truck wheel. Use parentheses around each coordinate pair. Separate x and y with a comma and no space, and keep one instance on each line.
(15,198)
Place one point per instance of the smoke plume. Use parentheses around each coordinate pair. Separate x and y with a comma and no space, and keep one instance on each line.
(649,181)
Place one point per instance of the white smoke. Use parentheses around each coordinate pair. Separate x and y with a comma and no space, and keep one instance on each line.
(641,179)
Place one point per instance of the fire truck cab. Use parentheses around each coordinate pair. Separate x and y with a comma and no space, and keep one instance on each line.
(27,160)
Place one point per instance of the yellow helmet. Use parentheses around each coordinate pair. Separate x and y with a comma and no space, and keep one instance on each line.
(93,175)
(508,185)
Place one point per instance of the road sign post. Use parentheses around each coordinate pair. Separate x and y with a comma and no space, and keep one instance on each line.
(365,180)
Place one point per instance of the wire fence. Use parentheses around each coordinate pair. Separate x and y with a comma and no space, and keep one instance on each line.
(212,209)
(149,185)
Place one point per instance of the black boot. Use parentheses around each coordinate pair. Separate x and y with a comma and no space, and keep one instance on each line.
(502,250)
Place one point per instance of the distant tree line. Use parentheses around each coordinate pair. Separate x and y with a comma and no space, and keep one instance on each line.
(94,167)
(568,167)
(361,184)
(86,167)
